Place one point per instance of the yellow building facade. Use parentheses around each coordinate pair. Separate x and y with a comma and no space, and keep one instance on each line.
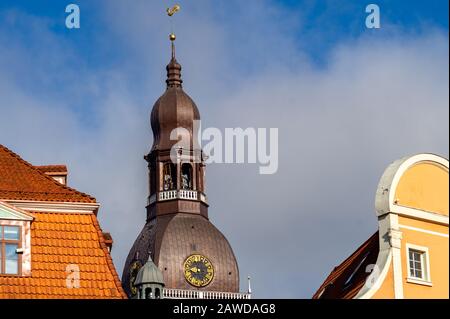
(412,206)
(410,251)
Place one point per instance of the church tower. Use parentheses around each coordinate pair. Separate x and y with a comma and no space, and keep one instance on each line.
(194,257)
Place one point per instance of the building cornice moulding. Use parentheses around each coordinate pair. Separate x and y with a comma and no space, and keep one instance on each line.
(55,207)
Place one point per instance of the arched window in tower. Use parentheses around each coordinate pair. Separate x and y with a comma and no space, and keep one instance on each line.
(157,293)
(186,176)
(148,293)
(169,177)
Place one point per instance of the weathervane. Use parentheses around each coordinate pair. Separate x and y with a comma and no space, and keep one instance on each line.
(172,36)
(170,13)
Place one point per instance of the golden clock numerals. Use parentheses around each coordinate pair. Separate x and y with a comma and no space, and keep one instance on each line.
(133,273)
(198,270)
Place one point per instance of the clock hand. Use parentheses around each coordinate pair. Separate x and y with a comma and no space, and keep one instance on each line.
(194,269)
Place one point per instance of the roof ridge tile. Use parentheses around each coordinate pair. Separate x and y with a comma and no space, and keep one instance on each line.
(72,193)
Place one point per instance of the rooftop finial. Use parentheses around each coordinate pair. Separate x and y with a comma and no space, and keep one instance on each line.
(149,255)
(172,39)
(174,68)
(172,36)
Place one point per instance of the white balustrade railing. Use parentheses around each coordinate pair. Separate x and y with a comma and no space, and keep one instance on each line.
(194,294)
(181,194)
(167,195)
(187,194)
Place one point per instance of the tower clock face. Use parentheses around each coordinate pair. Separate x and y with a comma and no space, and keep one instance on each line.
(198,270)
(134,269)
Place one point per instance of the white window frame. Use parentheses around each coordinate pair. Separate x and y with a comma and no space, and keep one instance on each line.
(19,243)
(426,280)
(12,216)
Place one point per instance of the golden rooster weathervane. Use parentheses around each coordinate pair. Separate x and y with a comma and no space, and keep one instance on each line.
(170,13)
(173,10)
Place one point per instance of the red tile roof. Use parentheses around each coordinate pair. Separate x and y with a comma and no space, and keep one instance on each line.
(347,279)
(19,180)
(58,240)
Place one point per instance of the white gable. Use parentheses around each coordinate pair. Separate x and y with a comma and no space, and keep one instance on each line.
(12,213)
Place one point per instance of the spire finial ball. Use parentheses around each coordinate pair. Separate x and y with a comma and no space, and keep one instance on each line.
(172,37)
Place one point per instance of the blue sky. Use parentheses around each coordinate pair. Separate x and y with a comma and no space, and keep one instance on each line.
(336,90)
(333,21)
(315,27)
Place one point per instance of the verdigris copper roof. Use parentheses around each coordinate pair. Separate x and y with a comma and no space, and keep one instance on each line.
(149,274)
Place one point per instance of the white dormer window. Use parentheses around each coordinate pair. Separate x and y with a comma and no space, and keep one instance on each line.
(60,179)
(15,241)
(10,244)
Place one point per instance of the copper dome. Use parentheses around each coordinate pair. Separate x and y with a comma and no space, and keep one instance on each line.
(174,109)
(173,238)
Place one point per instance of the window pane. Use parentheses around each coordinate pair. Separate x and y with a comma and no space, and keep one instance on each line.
(11,232)
(1,232)
(11,263)
(11,267)
(418,274)
(418,257)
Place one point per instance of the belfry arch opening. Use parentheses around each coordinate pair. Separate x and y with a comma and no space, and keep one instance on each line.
(169,177)
(186,176)
(148,293)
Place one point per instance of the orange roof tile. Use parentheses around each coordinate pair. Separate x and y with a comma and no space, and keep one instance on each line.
(19,180)
(50,256)
(347,279)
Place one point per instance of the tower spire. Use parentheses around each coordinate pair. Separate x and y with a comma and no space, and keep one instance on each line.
(177,204)
(172,38)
